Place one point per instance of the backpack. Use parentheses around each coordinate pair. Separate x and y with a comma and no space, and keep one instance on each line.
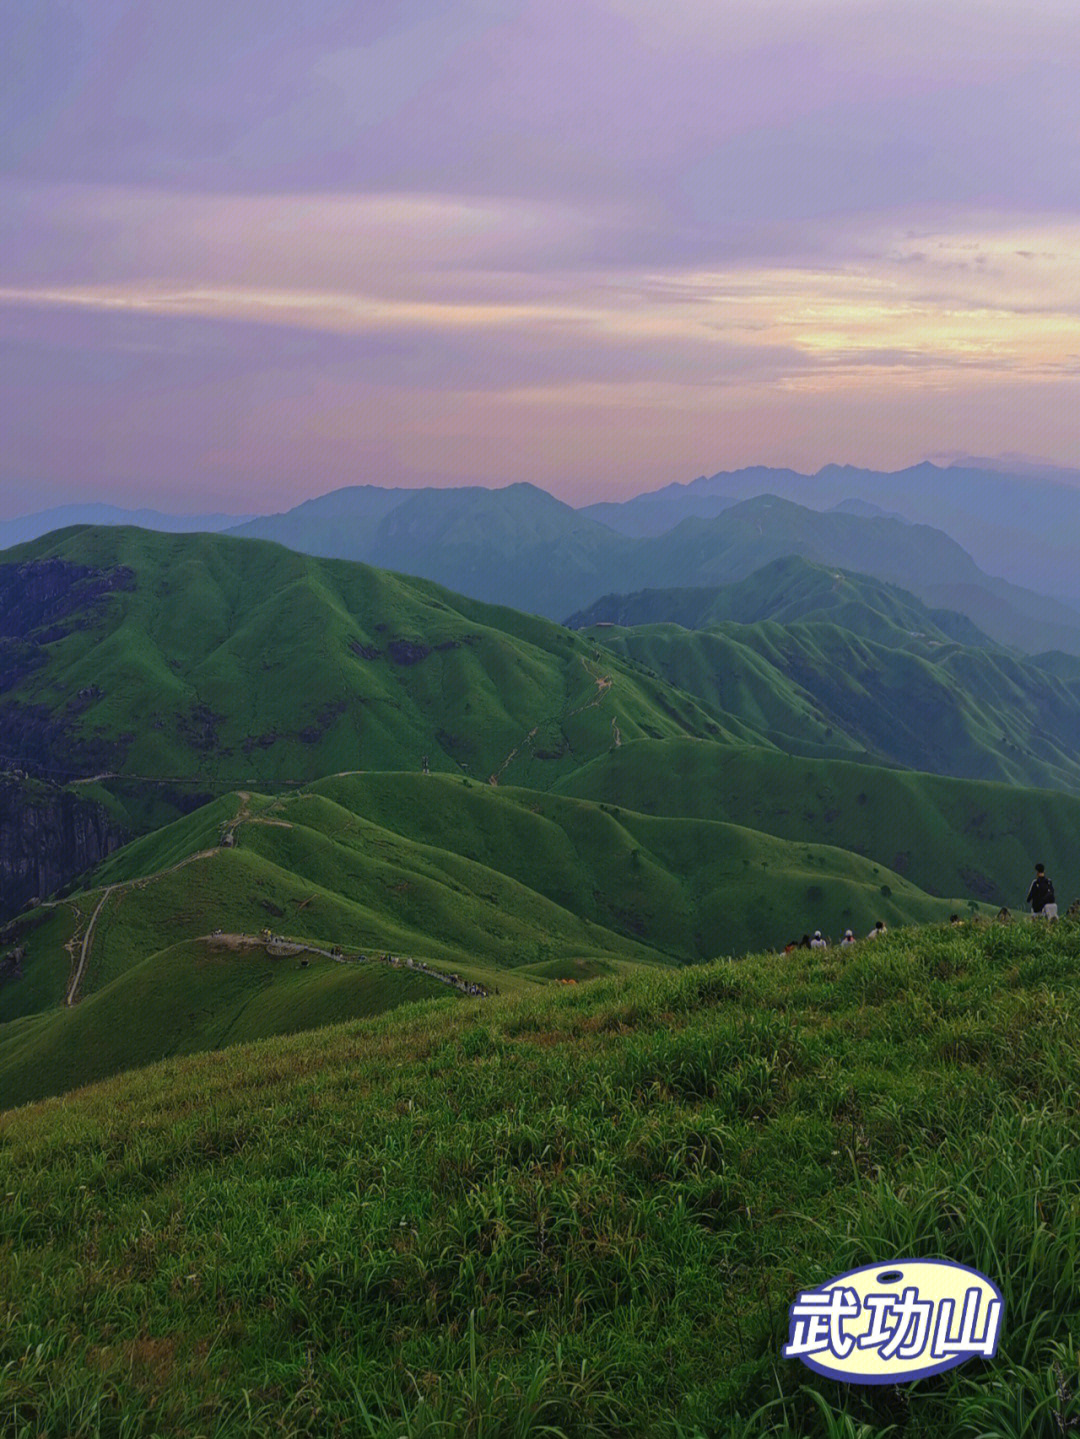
(1042,892)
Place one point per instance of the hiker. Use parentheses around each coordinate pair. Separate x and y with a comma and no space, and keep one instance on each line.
(1041,895)
(878,929)
(790,947)
(817,942)
(804,943)
(955,919)
(848,938)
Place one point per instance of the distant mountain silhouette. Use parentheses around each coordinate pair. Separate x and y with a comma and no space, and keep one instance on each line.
(516,546)
(521,547)
(986,544)
(1023,526)
(653,514)
(795,591)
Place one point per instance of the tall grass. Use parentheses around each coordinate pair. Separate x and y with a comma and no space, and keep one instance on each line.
(580,1213)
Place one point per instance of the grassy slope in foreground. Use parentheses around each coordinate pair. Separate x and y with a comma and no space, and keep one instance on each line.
(949,836)
(494,883)
(588,1210)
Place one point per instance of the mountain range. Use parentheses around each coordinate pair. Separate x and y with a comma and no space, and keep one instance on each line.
(1022,525)
(220,752)
(834,664)
(520,546)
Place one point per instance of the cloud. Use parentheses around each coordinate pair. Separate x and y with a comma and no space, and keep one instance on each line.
(456,278)
(279,234)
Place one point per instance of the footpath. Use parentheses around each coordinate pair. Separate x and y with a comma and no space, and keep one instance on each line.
(280,946)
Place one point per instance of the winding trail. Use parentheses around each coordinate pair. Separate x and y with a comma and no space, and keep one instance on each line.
(84,953)
(494,779)
(603,684)
(279,947)
(87,937)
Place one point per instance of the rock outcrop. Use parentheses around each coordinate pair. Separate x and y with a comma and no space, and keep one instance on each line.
(48,836)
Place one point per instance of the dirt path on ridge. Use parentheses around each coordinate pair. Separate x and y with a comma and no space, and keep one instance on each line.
(87,937)
(603,684)
(132,884)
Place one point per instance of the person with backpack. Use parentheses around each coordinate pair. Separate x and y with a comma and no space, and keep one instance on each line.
(1041,895)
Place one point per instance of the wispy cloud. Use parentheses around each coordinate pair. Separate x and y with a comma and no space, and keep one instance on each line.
(639,236)
(988,296)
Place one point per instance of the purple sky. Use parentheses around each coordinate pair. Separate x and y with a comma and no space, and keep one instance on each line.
(253,251)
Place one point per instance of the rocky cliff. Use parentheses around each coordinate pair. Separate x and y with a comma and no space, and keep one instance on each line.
(48,836)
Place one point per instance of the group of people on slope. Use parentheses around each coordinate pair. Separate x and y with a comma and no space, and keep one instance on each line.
(1040,897)
(818,941)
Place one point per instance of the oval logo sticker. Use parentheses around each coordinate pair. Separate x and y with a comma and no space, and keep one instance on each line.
(890,1323)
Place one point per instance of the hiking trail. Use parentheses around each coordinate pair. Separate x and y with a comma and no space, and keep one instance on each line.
(603,684)
(133,884)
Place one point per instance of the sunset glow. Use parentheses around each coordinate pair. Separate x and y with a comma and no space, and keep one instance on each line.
(771,234)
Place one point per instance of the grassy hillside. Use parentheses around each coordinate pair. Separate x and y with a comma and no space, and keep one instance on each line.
(193,996)
(789,590)
(199,656)
(921,703)
(948,836)
(581,1213)
(503,886)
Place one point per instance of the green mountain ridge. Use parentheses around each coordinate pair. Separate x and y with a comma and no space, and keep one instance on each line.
(789,590)
(949,836)
(834,664)
(163,953)
(817,688)
(582,813)
(247,662)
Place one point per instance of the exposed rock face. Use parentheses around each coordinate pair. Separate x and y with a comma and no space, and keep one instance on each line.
(41,601)
(47,837)
(407,652)
(44,596)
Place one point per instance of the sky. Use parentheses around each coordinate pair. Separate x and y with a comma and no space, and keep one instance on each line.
(250,252)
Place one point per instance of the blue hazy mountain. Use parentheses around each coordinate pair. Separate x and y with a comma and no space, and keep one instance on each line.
(521,547)
(1023,526)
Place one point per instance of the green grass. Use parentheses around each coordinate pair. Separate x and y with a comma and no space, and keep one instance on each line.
(828,688)
(193,996)
(584,1212)
(478,879)
(238,661)
(948,836)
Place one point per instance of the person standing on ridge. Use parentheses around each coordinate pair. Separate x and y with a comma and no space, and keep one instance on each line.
(878,930)
(1041,895)
(817,942)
